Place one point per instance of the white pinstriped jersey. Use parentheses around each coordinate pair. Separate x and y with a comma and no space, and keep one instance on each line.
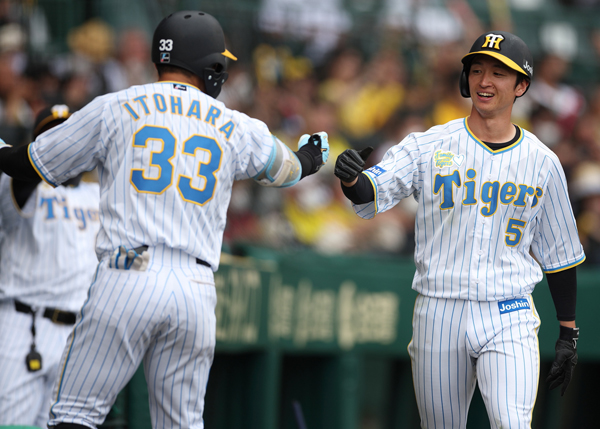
(480,212)
(167,156)
(48,257)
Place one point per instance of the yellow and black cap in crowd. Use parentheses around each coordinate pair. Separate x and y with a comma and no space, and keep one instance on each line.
(50,117)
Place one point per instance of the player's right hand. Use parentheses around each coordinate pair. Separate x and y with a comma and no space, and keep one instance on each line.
(565,359)
(350,163)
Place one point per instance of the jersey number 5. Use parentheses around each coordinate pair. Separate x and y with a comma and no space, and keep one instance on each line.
(514,231)
(163,160)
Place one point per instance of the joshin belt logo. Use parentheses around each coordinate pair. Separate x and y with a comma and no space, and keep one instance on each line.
(446,159)
(513,305)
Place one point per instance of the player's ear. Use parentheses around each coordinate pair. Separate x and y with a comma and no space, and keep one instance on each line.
(521,87)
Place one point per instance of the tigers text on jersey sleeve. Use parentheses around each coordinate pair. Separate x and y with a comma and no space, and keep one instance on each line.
(48,257)
(480,212)
(167,156)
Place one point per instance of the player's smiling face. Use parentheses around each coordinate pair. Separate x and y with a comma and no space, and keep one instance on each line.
(493,86)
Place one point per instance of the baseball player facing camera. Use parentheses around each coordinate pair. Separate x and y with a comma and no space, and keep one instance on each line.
(47,263)
(489,193)
(167,154)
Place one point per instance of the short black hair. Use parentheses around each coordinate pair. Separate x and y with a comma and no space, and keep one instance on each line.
(520,78)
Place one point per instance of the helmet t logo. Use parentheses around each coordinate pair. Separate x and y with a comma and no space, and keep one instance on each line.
(492,41)
(60,111)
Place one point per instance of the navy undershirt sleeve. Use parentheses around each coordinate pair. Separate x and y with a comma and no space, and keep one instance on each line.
(15,162)
(361,192)
(563,288)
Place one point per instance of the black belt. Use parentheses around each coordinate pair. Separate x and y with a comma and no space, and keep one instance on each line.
(198,260)
(54,314)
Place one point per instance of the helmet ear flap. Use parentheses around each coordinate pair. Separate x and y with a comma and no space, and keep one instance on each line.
(463,82)
(213,81)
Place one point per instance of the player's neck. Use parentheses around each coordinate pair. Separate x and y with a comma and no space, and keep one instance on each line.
(182,78)
(498,129)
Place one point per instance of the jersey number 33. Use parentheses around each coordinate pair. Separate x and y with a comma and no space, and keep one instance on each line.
(163,160)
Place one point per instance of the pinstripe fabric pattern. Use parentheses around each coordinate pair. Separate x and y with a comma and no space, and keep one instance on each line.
(103,133)
(480,213)
(460,252)
(25,396)
(48,260)
(48,257)
(163,317)
(167,156)
(475,343)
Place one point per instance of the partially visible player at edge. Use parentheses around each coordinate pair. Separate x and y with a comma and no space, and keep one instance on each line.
(47,263)
(489,192)
(167,154)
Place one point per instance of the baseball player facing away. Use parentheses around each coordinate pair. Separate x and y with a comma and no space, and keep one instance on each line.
(47,263)
(167,154)
(493,214)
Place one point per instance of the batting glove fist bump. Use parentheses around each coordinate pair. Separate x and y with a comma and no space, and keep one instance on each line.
(317,146)
(350,163)
(565,359)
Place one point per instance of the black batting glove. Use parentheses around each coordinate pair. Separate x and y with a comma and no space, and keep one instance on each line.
(565,359)
(350,163)
(313,152)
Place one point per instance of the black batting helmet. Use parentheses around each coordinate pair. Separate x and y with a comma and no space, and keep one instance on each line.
(50,117)
(505,47)
(194,41)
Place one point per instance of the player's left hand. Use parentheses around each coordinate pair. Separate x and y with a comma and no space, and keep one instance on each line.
(565,359)
(350,163)
(317,145)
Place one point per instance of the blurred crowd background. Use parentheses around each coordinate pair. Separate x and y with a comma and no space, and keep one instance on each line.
(368,72)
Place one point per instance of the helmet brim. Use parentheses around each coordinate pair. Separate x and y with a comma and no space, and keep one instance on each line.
(505,60)
(229,55)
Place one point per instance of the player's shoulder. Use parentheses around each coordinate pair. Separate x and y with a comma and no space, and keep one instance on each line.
(157,91)
(245,124)
(536,147)
(437,134)
(147,89)
(100,105)
(421,143)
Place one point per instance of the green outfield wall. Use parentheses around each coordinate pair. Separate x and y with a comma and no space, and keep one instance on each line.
(331,333)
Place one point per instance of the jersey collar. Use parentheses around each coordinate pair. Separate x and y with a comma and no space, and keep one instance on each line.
(178,83)
(483,145)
